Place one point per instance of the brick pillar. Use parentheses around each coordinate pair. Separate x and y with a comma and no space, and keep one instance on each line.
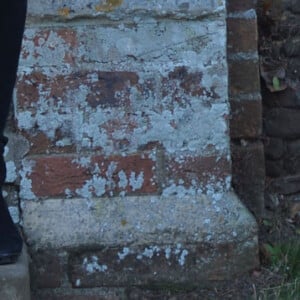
(128,177)
(246,105)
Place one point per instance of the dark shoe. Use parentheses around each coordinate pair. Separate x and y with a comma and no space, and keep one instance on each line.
(10,239)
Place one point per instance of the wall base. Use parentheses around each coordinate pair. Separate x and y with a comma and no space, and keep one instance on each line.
(139,241)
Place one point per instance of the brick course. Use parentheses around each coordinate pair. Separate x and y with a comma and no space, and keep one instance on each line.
(68,176)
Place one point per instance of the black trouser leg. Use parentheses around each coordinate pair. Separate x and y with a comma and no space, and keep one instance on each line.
(12,20)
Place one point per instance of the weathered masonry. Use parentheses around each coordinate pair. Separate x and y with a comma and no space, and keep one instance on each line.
(122,130)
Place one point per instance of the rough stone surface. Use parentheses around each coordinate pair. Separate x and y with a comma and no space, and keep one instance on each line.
(287,98)
(287,185)
(14,280)
(119,9)
(275,148)
(282,122)
(136,220)
(160,264)
(280,59)
(137,240)
(275,168)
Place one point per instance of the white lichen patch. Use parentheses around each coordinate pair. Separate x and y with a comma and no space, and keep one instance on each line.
(136,181)
(26,183)
(182,257)
(124,253)
(78,282)
(176,252)
(151,251)
(11,174)
(123,181)
(92,265)
(168,252)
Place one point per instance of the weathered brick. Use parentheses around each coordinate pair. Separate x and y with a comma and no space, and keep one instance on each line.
(242,35)
(41,144)
(56,176)
(243,77)
(144,265)
(47,270)
(246,118)
(105,89)
(238,5)
(197,172)
(58,43)
(123,9)
(181,83)
(248,174)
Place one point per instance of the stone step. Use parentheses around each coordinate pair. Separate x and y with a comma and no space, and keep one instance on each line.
(14,279)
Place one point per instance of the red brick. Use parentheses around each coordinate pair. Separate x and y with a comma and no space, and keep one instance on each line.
(42,39)
(240,5)
(243,77)
(198,170)
(51,176)
(242,35)
(47,270)
(246,118)
(102,92)
(182,84)
(140,270)
(41,144)
(248,174)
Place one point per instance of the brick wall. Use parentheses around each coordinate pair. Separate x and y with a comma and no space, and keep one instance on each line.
(123,156)
(279,34)
(248,168)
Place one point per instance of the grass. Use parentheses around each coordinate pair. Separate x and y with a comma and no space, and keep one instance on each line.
(284,260)
(288,291)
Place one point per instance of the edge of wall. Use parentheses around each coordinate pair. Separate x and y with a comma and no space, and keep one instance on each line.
(247,151)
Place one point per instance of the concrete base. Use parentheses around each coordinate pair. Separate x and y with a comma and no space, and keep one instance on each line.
(14,279)
(143,240)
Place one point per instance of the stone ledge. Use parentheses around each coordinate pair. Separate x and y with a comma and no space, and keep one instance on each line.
(120,9)
(145,240)
(14,279)
(68,223)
